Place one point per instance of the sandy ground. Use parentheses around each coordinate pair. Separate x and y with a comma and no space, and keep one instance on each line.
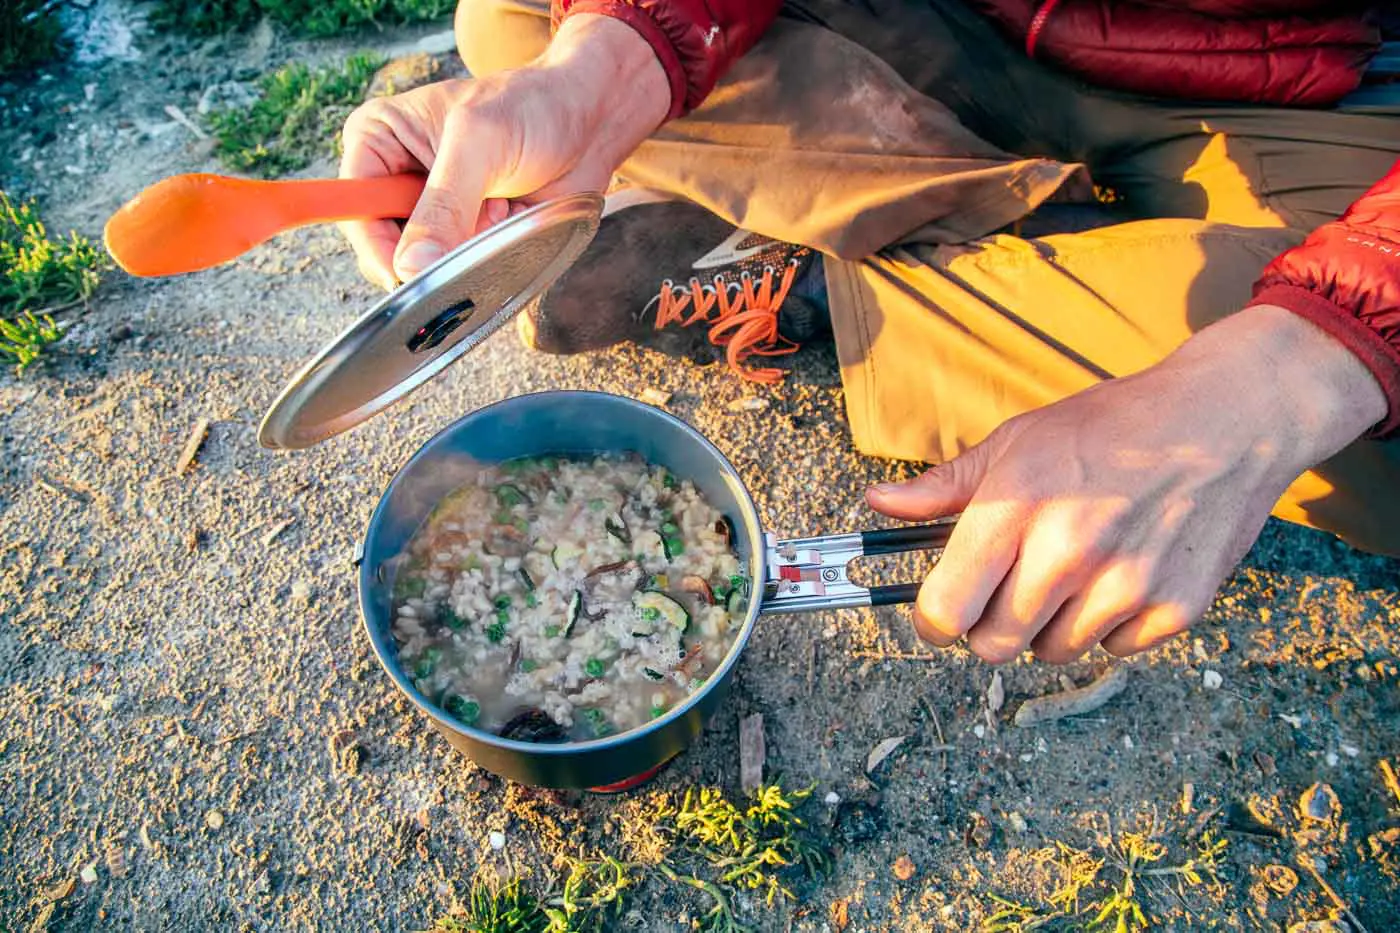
(173,667)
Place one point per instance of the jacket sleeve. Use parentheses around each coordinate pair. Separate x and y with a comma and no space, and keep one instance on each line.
(1345,278)
(695,40)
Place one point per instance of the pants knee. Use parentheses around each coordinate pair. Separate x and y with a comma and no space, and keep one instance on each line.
(497,35)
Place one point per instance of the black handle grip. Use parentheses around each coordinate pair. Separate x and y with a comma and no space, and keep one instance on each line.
(908,538)
(894,594)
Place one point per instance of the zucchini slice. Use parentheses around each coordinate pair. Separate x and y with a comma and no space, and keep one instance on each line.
(658,607)
(572,612)
(565,553)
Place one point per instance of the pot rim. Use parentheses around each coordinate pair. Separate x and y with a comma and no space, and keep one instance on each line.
(752,523)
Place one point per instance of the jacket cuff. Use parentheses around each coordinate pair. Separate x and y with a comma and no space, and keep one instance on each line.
(648,29)
(1369,347)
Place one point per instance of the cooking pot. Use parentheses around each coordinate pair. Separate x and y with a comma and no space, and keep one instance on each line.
(433,320)
(790,576)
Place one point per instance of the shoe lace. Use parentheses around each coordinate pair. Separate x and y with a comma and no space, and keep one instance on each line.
(742,317)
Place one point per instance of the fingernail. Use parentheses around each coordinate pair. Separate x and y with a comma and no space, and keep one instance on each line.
(417,257)
(883,489)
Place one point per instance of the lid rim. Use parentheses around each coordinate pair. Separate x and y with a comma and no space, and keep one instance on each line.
(283,426)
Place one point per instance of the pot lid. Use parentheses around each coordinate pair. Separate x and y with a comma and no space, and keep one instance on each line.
(430,321)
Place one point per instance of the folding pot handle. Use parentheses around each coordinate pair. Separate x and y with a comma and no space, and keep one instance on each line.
(810,574)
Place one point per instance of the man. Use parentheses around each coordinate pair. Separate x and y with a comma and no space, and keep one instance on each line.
(1116,410)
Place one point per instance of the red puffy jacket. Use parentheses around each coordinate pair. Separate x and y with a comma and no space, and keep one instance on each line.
(1299,53)
(1345,277)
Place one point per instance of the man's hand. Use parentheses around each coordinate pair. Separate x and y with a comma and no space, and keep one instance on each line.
(558,126)
(1113,516)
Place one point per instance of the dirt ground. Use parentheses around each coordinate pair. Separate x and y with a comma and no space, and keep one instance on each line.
(177,651)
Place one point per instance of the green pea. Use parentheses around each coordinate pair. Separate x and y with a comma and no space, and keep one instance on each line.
(495,632)
(668,480)
(594,667)
(528,665)
(675,547)
(531,600)
(463,710)
(509,496)
(451,619)
(597,505)
(503,601)
(597,722)
(410,587)
(503,616)
(504,518)
(651,614)
(657,712)
(521,525)
(736,581)
(427,662)
(669,528)
(551,631)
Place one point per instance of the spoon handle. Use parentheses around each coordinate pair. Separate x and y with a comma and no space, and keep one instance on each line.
(321,200)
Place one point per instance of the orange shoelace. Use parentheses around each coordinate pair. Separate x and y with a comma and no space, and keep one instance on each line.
(745,322)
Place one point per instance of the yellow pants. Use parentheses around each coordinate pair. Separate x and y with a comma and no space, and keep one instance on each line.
(899,138)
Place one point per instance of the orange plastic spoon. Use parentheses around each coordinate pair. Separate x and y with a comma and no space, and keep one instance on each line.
(191,222)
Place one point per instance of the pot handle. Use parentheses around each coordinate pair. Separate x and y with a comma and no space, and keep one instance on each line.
(809,574)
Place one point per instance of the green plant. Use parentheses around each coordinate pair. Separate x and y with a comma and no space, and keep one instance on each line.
(748,846)
(25,338)
(306,17)
(29,34)
(1119,905)
(40,273)
(39,278)
(297,117)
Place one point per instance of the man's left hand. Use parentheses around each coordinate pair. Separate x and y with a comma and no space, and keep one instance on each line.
(1113,516)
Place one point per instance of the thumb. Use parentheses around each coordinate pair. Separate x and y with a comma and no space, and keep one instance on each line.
(450,205)
(945,489)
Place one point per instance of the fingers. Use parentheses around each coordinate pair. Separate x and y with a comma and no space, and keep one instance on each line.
(1151,628)
(980,553)
(942,490)
(451,207)
(1055,561)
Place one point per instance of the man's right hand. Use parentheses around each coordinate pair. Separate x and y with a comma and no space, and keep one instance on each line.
(558,126)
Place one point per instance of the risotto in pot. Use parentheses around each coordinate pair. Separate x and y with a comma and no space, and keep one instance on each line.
(559,599)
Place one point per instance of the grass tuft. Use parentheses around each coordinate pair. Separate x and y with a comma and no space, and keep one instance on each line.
(297,118)
(729,847)
(29,34)
(1090,899)
(26,337)
(39,277)
(305,17)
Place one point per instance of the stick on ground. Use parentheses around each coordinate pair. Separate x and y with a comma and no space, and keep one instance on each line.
(752,752)
(1073,702)
(192,445)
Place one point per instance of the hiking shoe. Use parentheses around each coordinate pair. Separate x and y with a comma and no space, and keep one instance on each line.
(669,274)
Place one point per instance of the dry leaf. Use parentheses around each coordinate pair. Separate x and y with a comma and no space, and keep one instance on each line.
(882,751)
(904,868)
(657,397)
(996,693)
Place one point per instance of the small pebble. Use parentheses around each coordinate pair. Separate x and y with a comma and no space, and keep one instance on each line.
(832,798)
(1128,742)
(301,590)
(979,730)
(653,396)
(89,873)
(1351,751)
(497,839)
(214,818)
(904,868)
(1280,878)
(1319,802)
(1016,821)
(1027,756)
(1211,680)
(1188,796)
(1331,759)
